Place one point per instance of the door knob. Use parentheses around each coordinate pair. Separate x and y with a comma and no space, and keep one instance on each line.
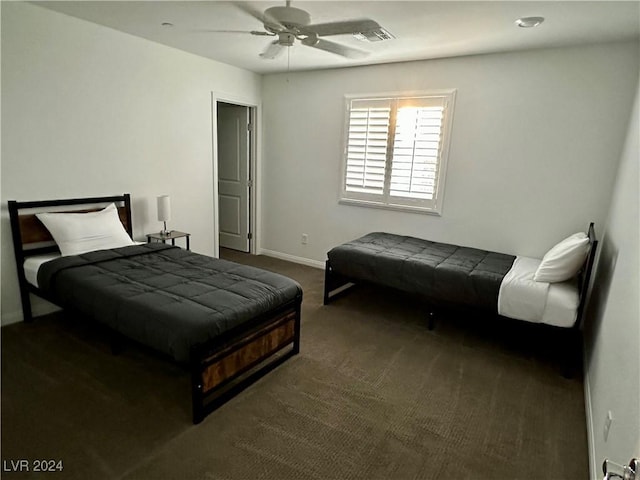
(613,470)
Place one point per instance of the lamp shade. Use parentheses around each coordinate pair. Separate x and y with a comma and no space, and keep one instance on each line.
(164,208)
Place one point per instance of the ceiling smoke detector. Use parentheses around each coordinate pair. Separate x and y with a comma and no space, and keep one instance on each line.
(529,22)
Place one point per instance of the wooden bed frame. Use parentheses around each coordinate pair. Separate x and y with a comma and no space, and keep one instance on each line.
(221,367)
(336,284)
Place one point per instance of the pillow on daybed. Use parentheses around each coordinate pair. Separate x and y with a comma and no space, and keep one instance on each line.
(564,260)
(77,233)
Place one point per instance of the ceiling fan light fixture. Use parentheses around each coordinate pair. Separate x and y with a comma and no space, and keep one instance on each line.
(529,22)
(286,39)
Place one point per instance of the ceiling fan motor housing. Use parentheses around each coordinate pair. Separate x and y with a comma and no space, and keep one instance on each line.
(289,17)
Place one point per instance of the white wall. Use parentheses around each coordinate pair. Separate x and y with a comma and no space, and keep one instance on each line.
(534,149)
(89,111)
(612,380)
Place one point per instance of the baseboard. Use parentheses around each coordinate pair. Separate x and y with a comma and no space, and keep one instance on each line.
(38,308)
(10,318)
(291,258)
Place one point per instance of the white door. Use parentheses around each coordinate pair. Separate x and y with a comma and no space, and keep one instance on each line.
(233,175)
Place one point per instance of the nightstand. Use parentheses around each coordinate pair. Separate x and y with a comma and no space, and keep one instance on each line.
(172,235)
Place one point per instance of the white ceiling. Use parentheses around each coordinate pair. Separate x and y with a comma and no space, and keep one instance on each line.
(423,29)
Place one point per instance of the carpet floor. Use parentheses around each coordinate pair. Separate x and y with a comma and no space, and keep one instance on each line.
(373,394)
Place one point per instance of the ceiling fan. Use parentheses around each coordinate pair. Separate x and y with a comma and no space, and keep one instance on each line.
(289,24)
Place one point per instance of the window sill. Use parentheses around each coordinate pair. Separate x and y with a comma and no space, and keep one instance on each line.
(395,207)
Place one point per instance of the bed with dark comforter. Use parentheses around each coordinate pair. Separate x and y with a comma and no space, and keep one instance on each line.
(446,275)
(162,296)
(440,272)
(229,323)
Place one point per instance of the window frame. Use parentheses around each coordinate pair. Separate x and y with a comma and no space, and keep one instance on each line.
(385,200)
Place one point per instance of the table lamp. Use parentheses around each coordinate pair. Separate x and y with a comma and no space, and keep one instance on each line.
(164,212)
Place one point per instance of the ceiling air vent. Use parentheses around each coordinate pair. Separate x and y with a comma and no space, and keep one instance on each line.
(377,35)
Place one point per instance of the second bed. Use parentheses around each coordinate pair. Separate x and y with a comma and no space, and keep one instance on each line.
(518,287)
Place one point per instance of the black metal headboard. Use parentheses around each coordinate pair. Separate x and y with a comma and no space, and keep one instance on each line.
(584,277)
(31,237)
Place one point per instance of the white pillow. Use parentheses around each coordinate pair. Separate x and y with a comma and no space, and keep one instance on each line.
(77,233)
(564,260)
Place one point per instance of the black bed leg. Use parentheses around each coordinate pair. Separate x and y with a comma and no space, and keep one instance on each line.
(27,314)
(296,337)
(327,283)
(197,386)
(334,283)
(431,321)
(197,403)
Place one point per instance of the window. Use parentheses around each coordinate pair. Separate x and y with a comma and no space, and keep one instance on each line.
(396,151)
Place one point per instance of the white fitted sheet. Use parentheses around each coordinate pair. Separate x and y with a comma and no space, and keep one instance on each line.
(32,265)
(522,298)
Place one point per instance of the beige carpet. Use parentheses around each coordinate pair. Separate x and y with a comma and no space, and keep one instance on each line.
(372,395)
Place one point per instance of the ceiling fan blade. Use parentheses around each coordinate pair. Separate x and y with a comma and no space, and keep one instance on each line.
(273,50)
(246,8)
(262,17)
(336,48)
(340,28)
(252,32)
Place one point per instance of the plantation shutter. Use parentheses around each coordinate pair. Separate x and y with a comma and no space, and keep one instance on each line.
(396,151)
(416,147)
(367,140)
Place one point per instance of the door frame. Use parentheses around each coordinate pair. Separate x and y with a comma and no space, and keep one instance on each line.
(254,141)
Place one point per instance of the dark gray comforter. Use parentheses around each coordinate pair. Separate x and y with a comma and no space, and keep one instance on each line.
(438,271)
(162,296)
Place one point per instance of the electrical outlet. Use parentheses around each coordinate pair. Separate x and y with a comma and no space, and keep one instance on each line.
(607,424)
(305,239)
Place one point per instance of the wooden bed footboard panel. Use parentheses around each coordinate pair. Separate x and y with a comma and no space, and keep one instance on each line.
(247,353)
(221,370)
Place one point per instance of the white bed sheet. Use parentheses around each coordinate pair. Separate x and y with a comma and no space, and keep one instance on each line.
(32,265)
(522,298)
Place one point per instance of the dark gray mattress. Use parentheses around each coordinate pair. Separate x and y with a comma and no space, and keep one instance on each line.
(163,296)
(437,271)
